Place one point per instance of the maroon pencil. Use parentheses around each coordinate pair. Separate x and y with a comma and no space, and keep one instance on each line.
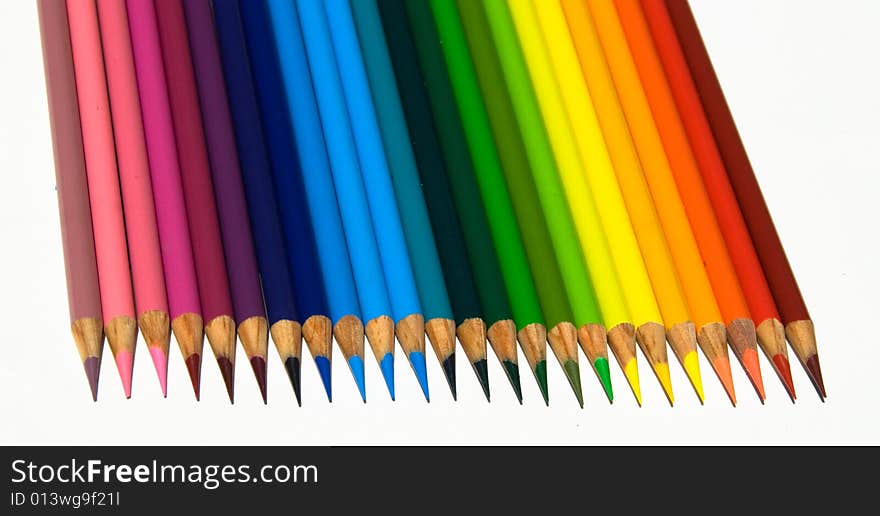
(792,309)
(198,189)
(83,295)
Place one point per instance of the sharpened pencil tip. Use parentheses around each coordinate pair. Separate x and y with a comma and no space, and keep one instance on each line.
(419,367)
(323,364)
(293,367)
(783,370)
(603,371)
(449,373)
(815,373)
(511,369)
(194,368)
(125,366)
(631,371)
(160,363)
(227,371)
(573,373)
(541,378)
(258,365)
(752,366)
(387,367)
(481,369)
(692,369)
(356,364)
(92,366)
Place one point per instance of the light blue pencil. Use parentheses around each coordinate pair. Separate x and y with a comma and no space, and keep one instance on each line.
(352,199)
(423,251)
(320,195)
(399,276)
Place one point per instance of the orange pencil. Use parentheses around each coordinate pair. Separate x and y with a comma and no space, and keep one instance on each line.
(765,314)
(699,210)
(645,138)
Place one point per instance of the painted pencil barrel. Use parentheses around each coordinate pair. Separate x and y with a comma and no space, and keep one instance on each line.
(401,163)
(399,278)
(177,256)
(309,138)
(238,245)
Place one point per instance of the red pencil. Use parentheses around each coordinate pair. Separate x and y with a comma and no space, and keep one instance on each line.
(798,325)
(730,219)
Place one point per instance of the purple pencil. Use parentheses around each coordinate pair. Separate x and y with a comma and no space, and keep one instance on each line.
(238,243)
(174,237)
(201,209)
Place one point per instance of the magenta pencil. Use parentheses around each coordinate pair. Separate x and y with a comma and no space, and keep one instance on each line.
(198,190)
(171,219)
(114,275)
(151,302)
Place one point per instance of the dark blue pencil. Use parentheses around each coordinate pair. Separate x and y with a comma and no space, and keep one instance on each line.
(259,190)
(302,253)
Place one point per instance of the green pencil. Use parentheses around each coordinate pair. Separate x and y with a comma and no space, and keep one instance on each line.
(496,197)
(505,310)
(501,61)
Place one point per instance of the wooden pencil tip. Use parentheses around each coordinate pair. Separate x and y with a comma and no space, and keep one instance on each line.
(441,335)
(651,338)
(802,337)
(410,332)
(742,335)
(121,335)
(594,341)
(254,335)
(533,341)
(380,334)
(194,368)
(189,331)
(92,367)
(771,338)
(220,332)
(88,335)
(318,332)
(563,342)
(287,336)
(472,335)
(622,341)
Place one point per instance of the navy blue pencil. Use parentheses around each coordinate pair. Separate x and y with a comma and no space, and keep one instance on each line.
(302,252)
(256,172)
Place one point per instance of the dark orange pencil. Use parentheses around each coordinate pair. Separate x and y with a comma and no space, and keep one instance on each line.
(699,209)
(771,335)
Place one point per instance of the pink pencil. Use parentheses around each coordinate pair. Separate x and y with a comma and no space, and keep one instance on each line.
(177,255)
(137,189)
(114,275)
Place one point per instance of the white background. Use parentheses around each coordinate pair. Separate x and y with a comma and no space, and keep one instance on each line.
(802,86)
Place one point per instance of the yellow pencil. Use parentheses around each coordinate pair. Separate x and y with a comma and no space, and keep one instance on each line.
(678,275)
(607,275)
(609,199)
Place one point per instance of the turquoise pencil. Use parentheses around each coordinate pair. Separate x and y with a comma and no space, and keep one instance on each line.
(431,285)
(351,195)
(399,276)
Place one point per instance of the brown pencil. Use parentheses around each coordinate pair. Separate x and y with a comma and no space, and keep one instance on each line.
(77,239)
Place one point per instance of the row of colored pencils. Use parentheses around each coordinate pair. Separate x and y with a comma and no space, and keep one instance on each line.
(534,171)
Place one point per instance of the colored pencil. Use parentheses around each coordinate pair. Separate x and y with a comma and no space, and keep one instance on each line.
(114,273)
(198,191)
(487,268)
(685,171)
(490,179)
(320,194)
(644,220)
(277,281)
(765,315)
(534,227)
(351,195)
(793,311)
(150,298)
(302,254)
(238,244)
(174,238)
(448,231)
(591,173)
(701,299)
(578,233)
(420,241)
(77,237)
(399,275)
